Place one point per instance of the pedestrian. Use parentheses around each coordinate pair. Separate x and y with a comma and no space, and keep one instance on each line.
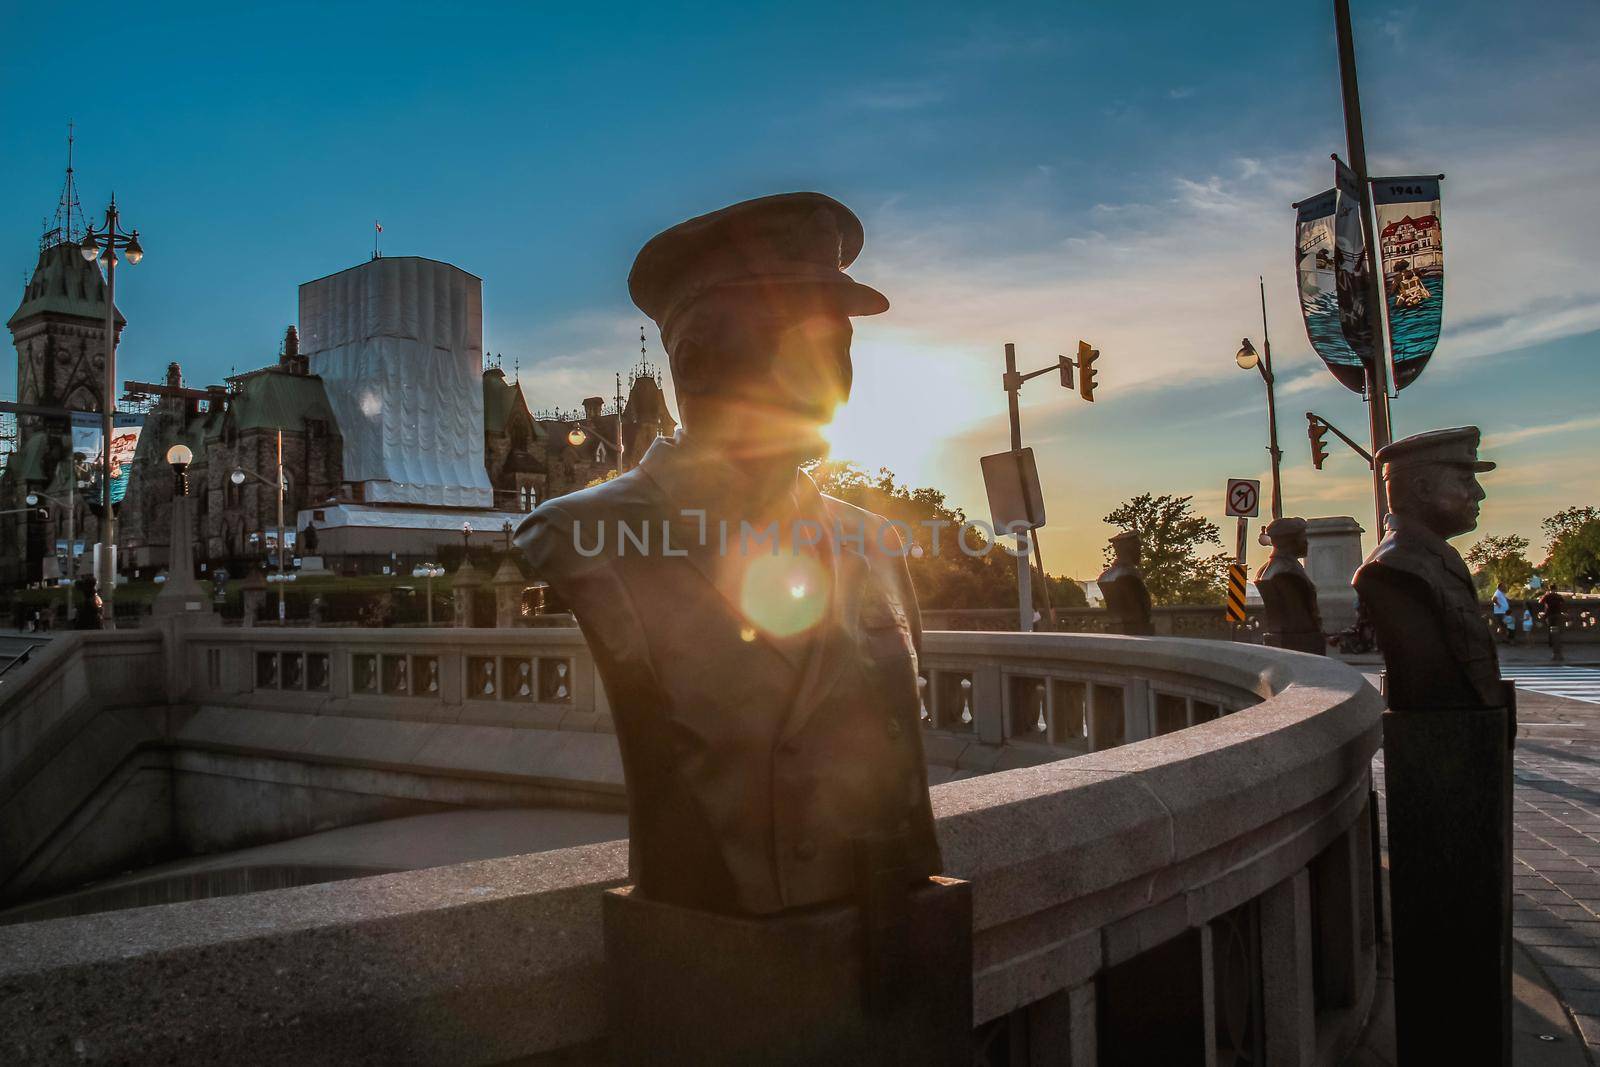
(1554,606)
(1500,607)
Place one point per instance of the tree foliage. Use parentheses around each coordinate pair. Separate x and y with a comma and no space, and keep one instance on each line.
(943,575)
(1497,560)
(1573,558)
(1171,537)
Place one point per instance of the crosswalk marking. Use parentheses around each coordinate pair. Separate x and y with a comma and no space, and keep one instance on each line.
(1574,683)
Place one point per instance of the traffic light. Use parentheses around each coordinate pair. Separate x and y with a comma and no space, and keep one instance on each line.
(1086,371)
(1316,429)
(1066,372)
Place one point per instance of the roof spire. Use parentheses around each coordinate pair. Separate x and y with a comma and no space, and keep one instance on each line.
(69,213)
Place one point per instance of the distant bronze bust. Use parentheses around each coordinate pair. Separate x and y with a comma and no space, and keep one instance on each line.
(1122,585)
(758,641)
(1288,595)
(1437,650)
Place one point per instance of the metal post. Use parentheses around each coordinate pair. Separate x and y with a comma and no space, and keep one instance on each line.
(1013,385)
(72,537)
(283,614)
(107,580)
(430,595)
(1272,410)
(1377,377)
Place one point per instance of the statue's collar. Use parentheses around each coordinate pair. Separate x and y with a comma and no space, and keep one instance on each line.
(1418,533)
(695,476)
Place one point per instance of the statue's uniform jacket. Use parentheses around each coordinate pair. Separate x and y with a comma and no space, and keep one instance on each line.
(1289,600)
(1128,600)
(1422,601)
(753,762)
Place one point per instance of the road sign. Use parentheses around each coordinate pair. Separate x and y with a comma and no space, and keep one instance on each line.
(1244,497)
(1012,482)
(1236,593)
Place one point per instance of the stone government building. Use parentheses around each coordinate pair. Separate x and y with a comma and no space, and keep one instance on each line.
(394,432)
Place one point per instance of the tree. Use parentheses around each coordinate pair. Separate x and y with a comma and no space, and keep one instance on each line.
(1500,560)
(944,576)
(1171,535)
(1574,547)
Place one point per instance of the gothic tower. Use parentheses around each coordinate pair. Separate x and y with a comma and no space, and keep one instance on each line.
(59,331)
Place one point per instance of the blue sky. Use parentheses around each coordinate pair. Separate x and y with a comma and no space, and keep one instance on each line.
(1119,173)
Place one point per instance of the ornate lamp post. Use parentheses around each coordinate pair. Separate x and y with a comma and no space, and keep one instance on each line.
(430,571)
(238,478)
(1248,358)
(104,245)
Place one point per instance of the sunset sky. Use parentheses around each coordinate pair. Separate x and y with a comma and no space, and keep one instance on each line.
(1118,173)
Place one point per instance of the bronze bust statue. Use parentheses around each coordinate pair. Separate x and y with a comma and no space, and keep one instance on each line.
(1437,651)
(1124,590)
(758,641)
(1288,595)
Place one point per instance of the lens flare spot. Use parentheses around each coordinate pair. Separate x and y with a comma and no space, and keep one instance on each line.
(783,595)
(747,634)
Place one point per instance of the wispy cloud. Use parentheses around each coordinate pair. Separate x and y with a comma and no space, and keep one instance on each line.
(895,96)
(1529,433)
(1182,92)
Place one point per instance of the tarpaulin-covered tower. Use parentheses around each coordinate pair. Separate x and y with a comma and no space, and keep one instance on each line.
(398,343)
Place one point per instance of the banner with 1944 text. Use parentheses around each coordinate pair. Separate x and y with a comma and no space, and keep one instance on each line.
(1409,241)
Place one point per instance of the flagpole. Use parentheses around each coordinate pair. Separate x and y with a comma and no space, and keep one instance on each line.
(1374,363)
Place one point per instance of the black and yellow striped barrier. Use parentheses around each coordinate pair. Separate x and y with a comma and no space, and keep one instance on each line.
(1236,592)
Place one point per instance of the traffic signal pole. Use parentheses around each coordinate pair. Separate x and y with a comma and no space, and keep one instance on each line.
(1025,542)
(1376,366)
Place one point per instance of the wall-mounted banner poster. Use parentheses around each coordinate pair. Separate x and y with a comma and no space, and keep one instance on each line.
(1315,254)
(1413,269)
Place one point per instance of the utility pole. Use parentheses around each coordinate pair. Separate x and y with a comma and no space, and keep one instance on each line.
(1272,410)
(1024,539)
(1377,376)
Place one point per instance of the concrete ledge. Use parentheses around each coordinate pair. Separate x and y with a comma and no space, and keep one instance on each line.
(1075,865)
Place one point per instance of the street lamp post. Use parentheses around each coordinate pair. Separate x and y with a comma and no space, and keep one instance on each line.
(238,477)
(430,571)
(103,246)
(1248,358)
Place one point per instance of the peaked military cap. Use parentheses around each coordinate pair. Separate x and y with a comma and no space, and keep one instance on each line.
(784,240)
(1456,447)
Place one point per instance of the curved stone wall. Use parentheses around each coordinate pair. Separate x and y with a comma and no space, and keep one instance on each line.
(1186,897)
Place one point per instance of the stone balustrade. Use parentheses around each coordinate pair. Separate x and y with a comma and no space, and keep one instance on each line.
(1175,869)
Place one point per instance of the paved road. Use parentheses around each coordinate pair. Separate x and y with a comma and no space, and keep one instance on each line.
(1574,683)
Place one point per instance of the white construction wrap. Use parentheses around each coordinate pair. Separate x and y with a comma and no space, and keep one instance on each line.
(399,345)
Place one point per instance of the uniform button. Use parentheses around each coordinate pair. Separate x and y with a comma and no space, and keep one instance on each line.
(806,850)
(894,728)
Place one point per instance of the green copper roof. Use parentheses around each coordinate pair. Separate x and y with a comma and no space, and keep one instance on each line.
(273,399)
(65,284)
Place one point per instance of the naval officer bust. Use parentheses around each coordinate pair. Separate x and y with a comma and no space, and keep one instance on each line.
(758,641)
(1437,649)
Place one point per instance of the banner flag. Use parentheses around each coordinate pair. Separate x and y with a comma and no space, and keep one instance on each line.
(1410,242)
(125,429)
(1352,268)
(124,443)
(1315,256)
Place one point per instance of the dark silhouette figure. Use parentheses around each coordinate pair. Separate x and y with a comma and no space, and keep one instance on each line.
(1288,595)
(91,609)
(1554,607)
(1122,586)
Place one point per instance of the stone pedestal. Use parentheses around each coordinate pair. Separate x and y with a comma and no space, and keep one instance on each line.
(253,594)
(1447,776)
(507,584)
(464,585)
(694,987)
(1333,554)
(182,593)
